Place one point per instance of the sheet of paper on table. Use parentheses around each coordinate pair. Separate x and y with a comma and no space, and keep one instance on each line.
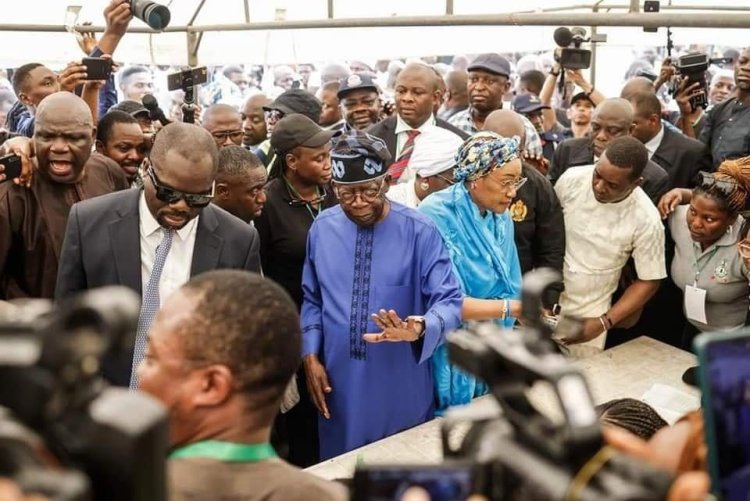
(669,402)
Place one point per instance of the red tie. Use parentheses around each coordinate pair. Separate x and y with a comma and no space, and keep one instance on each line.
(396,170)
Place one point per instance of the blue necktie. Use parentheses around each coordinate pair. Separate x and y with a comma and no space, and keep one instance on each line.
(150,304)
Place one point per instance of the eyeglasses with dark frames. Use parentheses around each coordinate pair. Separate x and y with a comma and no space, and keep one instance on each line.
(368,195)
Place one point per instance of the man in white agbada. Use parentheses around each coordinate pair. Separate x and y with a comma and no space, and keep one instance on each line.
(430,166)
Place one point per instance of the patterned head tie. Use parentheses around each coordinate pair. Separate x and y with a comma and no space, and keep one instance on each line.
(481,153)
(358,157)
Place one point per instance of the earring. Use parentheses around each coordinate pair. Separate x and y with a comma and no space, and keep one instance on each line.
(729,229)
(424,185)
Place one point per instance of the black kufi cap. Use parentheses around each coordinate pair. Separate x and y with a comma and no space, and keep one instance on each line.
(358,157)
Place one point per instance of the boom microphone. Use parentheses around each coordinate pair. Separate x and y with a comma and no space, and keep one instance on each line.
(563,36)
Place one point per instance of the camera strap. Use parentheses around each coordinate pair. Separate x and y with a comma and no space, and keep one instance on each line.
(226,451)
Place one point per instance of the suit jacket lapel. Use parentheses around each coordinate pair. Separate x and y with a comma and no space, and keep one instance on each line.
(207,243)
(125,236)
(662,155)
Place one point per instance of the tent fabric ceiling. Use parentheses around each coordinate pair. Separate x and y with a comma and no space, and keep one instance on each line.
(295,46)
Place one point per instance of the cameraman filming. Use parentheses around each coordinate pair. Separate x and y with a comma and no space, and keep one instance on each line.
(725,127)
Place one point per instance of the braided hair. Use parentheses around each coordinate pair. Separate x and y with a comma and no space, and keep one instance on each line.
(735,173)
(631,415)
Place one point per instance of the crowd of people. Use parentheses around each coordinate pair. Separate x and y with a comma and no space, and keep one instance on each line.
(302,252)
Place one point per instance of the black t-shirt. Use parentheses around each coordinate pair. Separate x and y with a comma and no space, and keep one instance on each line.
(283,227)
(539,226)
(725,130)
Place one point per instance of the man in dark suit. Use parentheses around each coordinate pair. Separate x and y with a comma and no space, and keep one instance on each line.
(681,156)
(612,118)
(417,92)
(536,211)
(153,240)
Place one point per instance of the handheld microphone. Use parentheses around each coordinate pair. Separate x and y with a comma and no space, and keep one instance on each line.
(155,113)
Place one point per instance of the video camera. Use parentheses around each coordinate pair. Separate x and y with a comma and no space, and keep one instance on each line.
(694,66)
(572,56)
(63,433)
(512,450)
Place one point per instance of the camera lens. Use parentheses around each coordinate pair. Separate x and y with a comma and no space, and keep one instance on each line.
(155,15)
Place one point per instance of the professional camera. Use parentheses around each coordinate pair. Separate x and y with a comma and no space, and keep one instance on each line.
(694,66)
(63,433)
(503,446)
(155,15)
(572,56)
(186,81)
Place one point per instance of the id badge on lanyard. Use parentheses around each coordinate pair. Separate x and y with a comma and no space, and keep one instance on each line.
(695,303)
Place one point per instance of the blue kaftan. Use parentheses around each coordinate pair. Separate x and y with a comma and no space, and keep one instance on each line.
(351,272)
(484,254)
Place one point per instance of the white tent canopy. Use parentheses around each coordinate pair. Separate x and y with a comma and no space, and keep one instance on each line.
(308,45)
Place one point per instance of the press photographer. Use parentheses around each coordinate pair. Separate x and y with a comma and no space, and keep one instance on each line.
(724,128)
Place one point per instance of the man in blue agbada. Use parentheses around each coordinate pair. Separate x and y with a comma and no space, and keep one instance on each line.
(371,263)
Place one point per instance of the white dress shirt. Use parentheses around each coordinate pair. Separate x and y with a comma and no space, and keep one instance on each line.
(404,194)
(401,129)
(599,239)
(176,270)
(655,142)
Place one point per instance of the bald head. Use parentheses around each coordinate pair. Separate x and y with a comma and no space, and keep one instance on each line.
(218,110)
(506,123)
(636,85)
(63,135)
(615,108)
(224,123)
(613,118)
(334,72)
(456,81)
(64,105)
(257,100)
(421,71)
(188,141)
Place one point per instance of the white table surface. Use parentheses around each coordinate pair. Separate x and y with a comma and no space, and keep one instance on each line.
(628,370)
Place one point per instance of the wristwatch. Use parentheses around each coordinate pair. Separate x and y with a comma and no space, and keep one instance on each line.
(419,320)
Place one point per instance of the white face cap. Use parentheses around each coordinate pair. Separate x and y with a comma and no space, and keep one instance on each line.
(434,152)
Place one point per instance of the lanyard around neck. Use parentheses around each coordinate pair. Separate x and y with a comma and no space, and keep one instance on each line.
(225,451)
(308,205)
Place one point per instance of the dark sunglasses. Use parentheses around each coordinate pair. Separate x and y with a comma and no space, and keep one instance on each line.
(172,196)
(708,182)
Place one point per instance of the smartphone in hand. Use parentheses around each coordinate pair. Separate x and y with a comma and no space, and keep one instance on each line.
(12,166)
(97,68)
(724,378)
